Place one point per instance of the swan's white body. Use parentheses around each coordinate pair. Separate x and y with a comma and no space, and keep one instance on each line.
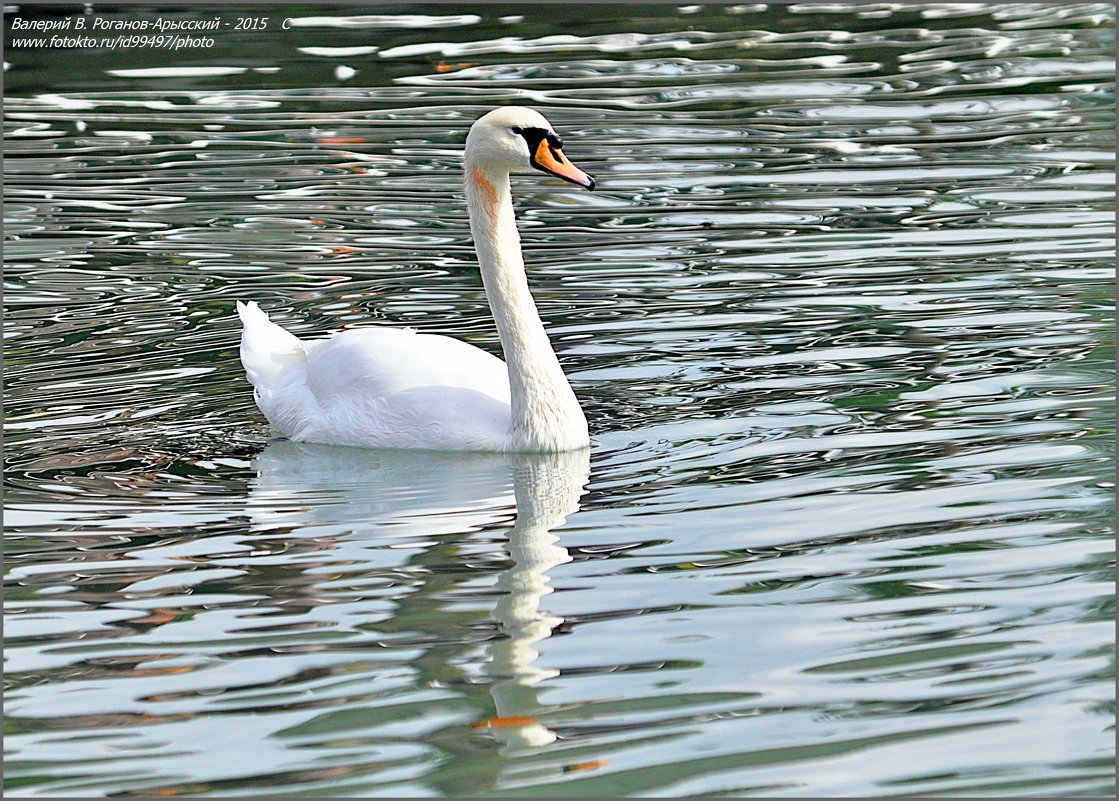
(392,388)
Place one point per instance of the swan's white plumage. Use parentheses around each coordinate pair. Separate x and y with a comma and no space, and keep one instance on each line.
(376,387)
(382,387)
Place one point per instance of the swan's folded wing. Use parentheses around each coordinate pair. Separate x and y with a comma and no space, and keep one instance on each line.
(380,362)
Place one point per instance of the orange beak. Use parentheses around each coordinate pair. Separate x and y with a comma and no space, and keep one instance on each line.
(550,159)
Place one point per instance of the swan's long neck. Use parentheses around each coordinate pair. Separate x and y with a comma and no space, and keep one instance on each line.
(545,413)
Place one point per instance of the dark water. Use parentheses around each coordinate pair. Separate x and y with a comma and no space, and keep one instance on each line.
(840,315)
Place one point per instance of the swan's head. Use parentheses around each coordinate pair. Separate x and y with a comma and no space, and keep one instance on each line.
(516,139)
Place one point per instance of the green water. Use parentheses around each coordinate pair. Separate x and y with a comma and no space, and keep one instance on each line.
(839,314)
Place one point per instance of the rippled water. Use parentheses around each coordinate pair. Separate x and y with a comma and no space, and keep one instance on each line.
(840,317)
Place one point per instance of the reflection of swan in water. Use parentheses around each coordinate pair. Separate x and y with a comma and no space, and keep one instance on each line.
(548,488)
(358,498)
(383,492)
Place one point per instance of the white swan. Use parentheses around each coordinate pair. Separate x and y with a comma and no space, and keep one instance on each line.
(393,388)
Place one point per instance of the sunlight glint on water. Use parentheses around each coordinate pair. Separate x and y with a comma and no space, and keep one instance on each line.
(839,314)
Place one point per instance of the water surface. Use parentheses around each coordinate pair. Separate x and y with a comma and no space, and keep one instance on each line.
(840,315)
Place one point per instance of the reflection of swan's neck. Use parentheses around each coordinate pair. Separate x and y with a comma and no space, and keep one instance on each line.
(546,414)
(547,488)
(545,497)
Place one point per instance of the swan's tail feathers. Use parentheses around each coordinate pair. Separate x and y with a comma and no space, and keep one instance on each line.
(267,351)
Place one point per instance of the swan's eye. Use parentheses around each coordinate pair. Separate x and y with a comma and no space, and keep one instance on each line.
(517,130)
(534,136)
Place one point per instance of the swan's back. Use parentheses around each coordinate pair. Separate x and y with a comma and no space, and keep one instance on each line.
(376,387)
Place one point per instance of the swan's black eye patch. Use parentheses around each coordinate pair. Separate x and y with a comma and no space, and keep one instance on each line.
(535,135)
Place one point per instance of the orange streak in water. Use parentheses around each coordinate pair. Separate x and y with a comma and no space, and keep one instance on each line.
(594,764)
(512,721)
